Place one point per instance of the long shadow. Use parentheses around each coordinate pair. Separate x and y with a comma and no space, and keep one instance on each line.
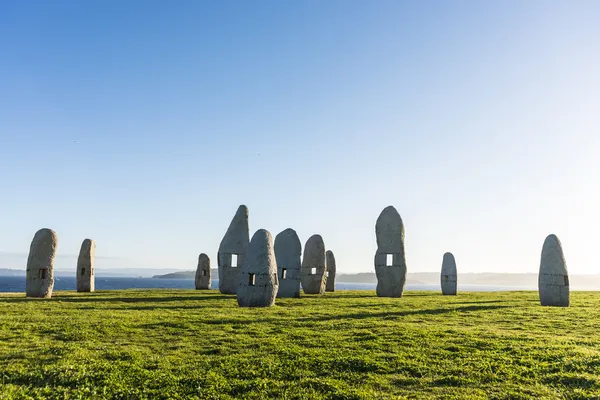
(96,299)
(361,315)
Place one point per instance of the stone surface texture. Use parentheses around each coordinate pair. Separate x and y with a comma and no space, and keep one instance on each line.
(448,276)
(202,280)
(288,254)
(553,279)
(40,264)
(330,284)
(235,241)
(389,231)
(314,258)
(258,274)
(86,274)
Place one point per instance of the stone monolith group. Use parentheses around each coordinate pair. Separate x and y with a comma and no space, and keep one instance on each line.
(258,274)
(40,264)
(202,279)
(288,254)
(232,251)
(553,279)
(448,276)
(390,262)
(314,266)
(86,277)
(330,283)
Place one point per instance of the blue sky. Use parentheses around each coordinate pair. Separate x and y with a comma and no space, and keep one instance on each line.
(143,125)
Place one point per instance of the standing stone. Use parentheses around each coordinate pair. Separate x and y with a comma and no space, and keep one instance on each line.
(390,262)
(233,246)
(86,275)
(258,274)
(314,266)
(553,280)
(448,276)
(288,253)
(330,285)
(202,280)
(40,264)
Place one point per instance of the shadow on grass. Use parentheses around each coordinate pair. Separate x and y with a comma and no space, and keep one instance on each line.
(361,315)
(97,299)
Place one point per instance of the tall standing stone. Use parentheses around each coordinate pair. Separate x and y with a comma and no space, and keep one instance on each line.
(390,262)
(258,274)
(330,285)
(40,264)
(288,254)
(202,281)
(232,251)
(448,276)
(86,274)
(553,280)
(314,266)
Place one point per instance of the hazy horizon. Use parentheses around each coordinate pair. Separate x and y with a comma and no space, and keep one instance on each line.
(144,126)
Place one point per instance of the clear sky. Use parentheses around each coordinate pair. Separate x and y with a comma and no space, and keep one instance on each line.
(144,124)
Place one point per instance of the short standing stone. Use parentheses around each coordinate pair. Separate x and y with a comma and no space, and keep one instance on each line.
(86,274)
(202,280)
(314,266)
(390,262)
(330,285)
(232,251)
(288,253)
(258,274)
(40,264)
(553,280)
(448,276)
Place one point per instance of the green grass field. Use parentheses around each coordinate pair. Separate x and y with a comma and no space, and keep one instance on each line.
(160,344)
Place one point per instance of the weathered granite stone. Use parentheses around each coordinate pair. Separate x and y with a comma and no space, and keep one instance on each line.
(258,274)
(234,242)
(314,266)
(86,276)
(40,264)
(330,285)
(553,280)
(391,277)
(202,280)
(448,276)
(288,253)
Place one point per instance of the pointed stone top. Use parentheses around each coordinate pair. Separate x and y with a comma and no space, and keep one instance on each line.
(237,236)
(289,240)
(448,264)
(553,260)
(87,244)
(389,228)
(315,240)
(330,261)
(46,232)
(260,253)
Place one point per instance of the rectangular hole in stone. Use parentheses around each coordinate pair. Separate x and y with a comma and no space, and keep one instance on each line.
(203,272)
(446,278)
(389,260)
(82,271)
(313,271)
(328,274)
(234,260)
(283,273)
(43,273)
(251,280)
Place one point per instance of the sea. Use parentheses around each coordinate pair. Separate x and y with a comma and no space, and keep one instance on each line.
(17,284)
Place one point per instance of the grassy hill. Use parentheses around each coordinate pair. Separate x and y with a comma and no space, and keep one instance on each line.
(160,344)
